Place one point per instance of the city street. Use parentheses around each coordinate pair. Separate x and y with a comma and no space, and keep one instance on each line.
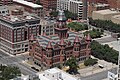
(99,76)
(17,61)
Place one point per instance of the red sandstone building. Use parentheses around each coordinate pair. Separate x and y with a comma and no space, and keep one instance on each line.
(49,4)
(55,49)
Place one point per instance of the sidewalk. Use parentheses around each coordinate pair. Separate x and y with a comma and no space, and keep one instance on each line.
(91,70)
(7,53)
(22,53)
(105,79)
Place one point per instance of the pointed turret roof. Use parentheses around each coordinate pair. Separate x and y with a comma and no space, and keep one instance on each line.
(32,37)
(88,37)
(76,39)
(61,16)
(62,42)
(44,34)
(49,46)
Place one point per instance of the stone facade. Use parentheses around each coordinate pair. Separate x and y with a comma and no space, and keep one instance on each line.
(49,4)
(16,29)
(49,51)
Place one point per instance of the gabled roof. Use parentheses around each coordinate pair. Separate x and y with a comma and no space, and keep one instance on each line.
(49,46)
(76,39)
(88,37)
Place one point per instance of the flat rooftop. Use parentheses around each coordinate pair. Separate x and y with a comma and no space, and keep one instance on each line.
(107,11)
(52,71)
(65,76)
(30,4)
(117,17)
(19,18)
(42,76)
(101,5)
(78,2)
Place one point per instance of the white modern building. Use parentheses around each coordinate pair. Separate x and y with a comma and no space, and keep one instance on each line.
(50,74)
(76,7)
(63,4)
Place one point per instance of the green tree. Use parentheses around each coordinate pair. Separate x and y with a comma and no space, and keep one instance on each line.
(8,72)
(38,2)
(90,62)
(72,63)
(68,14)
(105,25)
(77,26)
(54,14)
(94,33)
(104,52)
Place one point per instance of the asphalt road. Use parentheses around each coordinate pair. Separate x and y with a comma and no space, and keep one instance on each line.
(99,76)
(2,54)
(17,61)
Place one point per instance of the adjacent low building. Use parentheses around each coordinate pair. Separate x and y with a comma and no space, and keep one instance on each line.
(95,7)
(47,27)
(30,7)
(49,4)
(6,2)
(105,14)
(4,10)
(50,74)
(116,19)
(16,29)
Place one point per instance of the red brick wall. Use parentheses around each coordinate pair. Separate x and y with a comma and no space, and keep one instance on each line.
(49,3)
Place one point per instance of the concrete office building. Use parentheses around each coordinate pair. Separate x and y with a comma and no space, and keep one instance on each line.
(63,4)
(116,19)
(4,10)
(96,7)
(47,27)
(16,29)
(85,9)
(104,14)
(76,7)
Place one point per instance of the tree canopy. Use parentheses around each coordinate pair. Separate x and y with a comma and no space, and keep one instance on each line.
(77,26)
(106,25)
(95,33)
(72,63)
(8,72)
(90,62)
(38,2)
(68,14)
(104,52)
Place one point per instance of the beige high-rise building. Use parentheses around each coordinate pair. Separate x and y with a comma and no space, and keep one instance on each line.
(76,7)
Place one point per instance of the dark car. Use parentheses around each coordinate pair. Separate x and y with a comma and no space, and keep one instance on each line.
(35,68)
